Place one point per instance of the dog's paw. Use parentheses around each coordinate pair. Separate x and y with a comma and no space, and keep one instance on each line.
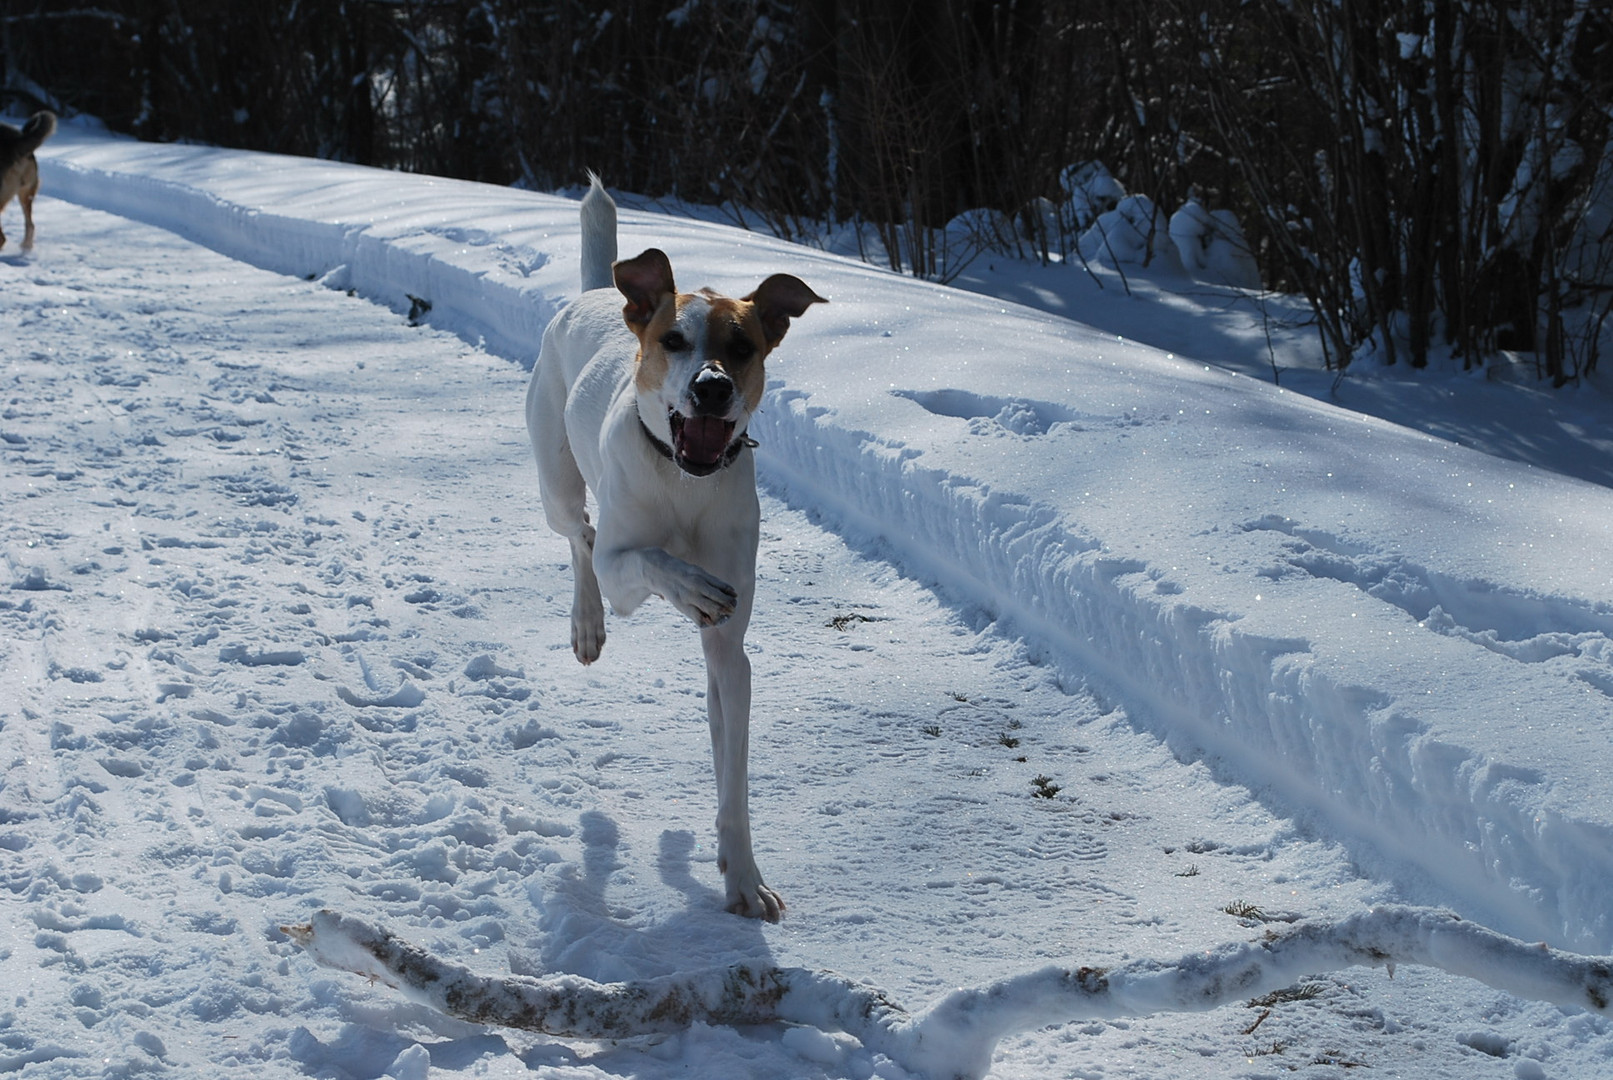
(587,631)
(587,641)
(748,895)
(707,600)
(757,902)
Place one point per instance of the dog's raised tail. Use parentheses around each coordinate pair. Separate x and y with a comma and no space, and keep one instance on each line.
(40,126)
(598,236)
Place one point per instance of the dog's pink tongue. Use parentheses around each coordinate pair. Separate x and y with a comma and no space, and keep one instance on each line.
(704,439)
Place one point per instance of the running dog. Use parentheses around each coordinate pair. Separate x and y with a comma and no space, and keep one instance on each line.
(646,405)
(19,172)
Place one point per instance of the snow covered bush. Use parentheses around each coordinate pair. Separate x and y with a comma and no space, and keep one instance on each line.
(1135,232)
(1089,190)
(975,231)
(1212,247)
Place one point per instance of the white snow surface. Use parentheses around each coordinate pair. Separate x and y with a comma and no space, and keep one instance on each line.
(281,629)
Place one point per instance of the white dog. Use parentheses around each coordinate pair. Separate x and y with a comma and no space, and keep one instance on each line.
(646,406)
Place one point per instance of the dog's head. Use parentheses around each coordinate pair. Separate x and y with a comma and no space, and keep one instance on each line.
(699,375)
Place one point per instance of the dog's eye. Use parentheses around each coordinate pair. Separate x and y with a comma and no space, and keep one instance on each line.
(674,341)
(740,348)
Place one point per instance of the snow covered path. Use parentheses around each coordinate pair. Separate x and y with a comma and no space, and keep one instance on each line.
(1405,643)
(289,634)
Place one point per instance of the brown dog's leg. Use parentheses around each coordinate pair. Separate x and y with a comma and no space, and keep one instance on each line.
(26,198)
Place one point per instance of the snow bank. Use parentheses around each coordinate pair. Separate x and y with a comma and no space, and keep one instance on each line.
(1349,744)
(1405,644)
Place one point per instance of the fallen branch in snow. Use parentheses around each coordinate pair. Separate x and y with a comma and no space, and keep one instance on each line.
(955,1036)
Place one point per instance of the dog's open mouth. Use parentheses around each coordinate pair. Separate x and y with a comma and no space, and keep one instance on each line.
(700,443)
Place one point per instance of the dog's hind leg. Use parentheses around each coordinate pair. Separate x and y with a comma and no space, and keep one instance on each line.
(26,198)
(564,494)
(728,693)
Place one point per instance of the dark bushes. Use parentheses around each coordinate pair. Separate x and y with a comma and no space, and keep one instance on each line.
(1425,172)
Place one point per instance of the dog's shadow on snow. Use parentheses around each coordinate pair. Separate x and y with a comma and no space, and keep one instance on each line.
(585,930)
(677,846)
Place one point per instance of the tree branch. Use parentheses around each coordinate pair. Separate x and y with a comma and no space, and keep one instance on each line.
(955,1036)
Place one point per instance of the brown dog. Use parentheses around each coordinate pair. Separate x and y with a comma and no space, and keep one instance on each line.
(19,172)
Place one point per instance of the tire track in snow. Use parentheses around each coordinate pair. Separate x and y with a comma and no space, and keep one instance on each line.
(1526,628)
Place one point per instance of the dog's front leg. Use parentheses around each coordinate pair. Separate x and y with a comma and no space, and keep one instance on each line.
(630,575)
(728,710)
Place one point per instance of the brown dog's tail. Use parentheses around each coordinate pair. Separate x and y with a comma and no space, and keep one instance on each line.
(17,145)
(40,126)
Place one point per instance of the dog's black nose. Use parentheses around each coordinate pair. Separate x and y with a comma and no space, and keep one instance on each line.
(712,392)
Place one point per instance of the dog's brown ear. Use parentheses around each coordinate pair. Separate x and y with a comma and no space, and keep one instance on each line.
(779,299)
(643,280)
